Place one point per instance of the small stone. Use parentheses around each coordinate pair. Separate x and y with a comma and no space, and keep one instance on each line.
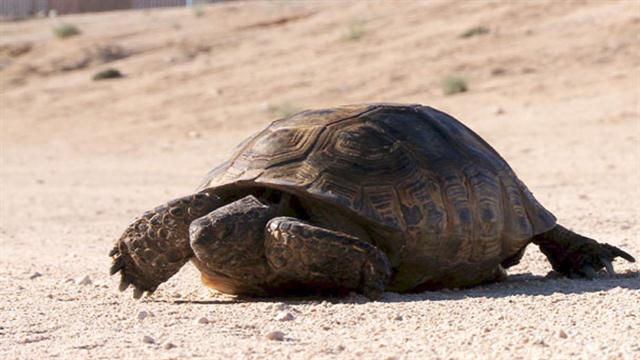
(281,306)
(85,280)
(498,71)
(169,346)
(193,134)
(498,110)
(275,335)
(284,316)
(398,318)
(562,334)
(148,339)
(540,342)
(203,320)
(35,275)
(142,315)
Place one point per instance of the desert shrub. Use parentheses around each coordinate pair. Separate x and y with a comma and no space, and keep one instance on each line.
(64,31)
(454,84)
(355,31)
(107,74)
(475,31)
(198,11)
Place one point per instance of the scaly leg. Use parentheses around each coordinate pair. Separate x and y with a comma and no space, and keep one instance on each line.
(577,256)
(316,258)
(156,246)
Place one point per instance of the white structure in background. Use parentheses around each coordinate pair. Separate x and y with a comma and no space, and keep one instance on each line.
(26,8)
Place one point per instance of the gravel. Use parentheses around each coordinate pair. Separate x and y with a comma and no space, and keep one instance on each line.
(275,336)
(284,316)
(84,280)
(202,320)
(142,315)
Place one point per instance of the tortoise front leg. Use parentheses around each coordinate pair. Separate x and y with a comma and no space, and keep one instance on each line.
(156,246)
(307,256)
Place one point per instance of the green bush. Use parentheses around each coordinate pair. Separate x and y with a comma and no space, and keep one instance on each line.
(355,31)
(454,84)
(64,31)
(107,74)
(475,31)
(198,11)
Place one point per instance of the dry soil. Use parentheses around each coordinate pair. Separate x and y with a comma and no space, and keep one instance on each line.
(554,86)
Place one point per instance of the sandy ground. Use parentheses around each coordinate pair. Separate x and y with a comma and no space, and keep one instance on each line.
(553,85)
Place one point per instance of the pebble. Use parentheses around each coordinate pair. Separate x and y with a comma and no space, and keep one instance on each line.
(35,275)
(193,134)
(275,335)
(280,306)
(169,346)
(203,320)
(562,334)
(85,280)
(148,339)
(284,316)
(498,71)
(142,315)
(540,342)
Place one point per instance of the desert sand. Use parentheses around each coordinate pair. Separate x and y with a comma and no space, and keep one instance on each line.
(554,86)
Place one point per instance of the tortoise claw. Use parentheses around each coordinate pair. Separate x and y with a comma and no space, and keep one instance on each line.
(118,264)
(137,293)
(608,266)
(114,251)
(617,252)
(124,283)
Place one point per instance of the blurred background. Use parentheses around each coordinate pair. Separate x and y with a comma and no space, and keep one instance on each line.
(136,105)
(163,91)
(107,113)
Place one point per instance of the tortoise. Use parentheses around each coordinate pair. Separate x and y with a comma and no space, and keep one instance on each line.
(360,198)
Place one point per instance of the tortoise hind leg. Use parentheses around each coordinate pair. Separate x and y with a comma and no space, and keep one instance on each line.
(577,256)
(314,258)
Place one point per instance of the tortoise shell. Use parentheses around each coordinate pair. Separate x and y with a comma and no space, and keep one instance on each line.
(408,168)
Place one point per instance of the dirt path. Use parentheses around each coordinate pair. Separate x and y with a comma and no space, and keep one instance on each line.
(553,86)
